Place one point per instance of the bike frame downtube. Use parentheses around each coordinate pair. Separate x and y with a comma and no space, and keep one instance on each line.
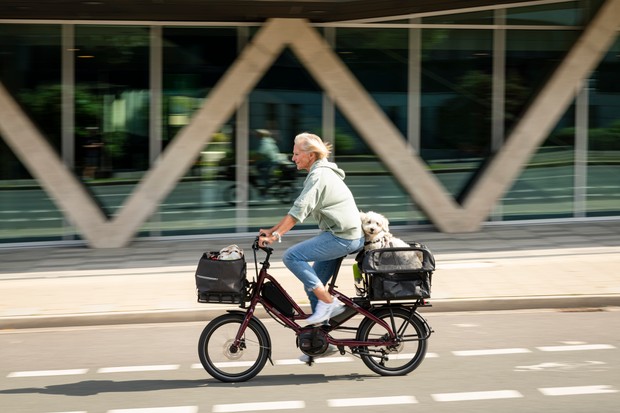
(256,298)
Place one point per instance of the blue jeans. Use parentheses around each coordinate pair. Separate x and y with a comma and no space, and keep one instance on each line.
(324,250)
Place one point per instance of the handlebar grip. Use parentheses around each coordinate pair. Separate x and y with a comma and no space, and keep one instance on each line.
(256,245)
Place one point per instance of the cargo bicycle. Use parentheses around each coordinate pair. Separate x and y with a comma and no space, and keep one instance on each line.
(391,338)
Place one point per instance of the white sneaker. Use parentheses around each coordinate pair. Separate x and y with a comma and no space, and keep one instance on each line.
(321,313)
(331,349)
(337,308)
(324,311)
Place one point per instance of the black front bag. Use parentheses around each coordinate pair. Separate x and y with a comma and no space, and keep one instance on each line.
(398,273)
(220,281)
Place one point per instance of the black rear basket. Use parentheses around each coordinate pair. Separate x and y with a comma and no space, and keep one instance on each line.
(221,281)
(403,273)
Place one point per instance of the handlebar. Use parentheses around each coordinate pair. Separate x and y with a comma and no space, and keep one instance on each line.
(268,250)
(256,246)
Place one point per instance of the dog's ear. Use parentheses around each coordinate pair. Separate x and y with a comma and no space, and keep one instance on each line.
(362,216)
(385,224)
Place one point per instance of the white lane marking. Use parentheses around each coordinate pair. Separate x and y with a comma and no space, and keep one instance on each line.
(477,395)
(371,401)
(174,409)
(541,366)
(250,407)
(288,362)
(129,369)
(562,366)
(580,347)
(235,364)
(490,352)
(570,391)
(46,373)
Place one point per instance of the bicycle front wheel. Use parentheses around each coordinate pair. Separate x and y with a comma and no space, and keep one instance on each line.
(402,358)
(229,363)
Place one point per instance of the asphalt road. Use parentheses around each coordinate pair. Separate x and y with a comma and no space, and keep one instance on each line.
(514,361)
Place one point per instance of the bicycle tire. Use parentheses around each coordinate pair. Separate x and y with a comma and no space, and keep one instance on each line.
(403,358)
(229,364)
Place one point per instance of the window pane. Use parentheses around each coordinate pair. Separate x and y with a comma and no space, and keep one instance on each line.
(111,110)
(194,59)
(30,70)
(378,58)
(456,104)
(545,188)
(603,182)
(286,102)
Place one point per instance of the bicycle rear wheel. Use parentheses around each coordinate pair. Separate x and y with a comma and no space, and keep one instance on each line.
(226,362)
(403,358)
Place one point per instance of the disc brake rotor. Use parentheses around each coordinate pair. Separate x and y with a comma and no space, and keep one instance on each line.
(232,353)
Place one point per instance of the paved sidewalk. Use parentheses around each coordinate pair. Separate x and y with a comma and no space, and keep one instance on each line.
(501,267)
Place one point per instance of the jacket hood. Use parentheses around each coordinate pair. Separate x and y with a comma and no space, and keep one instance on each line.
(324,163)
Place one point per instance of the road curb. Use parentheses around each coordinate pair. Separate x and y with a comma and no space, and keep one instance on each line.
(175,316)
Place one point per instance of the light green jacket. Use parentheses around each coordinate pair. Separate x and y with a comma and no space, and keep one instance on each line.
(327,199)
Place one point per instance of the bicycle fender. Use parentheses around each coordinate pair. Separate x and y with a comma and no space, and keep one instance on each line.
(428,328)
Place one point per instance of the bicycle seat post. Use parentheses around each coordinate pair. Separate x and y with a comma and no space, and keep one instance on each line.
(332,283)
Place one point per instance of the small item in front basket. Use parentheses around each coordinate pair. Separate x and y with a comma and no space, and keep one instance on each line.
(231,252)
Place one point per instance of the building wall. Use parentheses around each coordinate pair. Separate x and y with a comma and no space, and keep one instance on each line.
(121,131)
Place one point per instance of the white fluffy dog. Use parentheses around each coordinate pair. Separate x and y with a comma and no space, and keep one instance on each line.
(377,234)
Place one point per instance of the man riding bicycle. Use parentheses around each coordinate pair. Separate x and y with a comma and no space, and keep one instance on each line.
(326,198)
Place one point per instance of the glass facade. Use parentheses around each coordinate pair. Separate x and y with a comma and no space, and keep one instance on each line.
(133,88)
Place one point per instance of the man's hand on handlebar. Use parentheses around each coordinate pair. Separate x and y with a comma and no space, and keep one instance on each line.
(265,238)
(264,241)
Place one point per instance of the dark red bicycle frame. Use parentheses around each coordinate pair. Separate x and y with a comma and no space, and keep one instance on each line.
(291,322)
